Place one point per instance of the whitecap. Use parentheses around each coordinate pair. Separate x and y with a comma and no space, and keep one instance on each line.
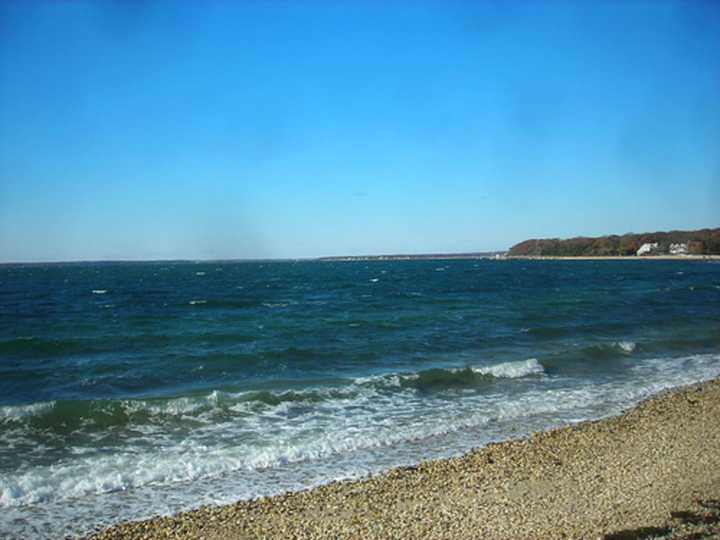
(386,380)
(513,370)
(99,291)
(626,346)
(23,411)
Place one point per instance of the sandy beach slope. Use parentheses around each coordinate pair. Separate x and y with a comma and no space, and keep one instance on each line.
(653,472)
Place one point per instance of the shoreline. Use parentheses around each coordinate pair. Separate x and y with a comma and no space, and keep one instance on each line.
(616,258)
(651,472)
(471,257)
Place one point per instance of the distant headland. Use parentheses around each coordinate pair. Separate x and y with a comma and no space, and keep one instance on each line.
(658,244)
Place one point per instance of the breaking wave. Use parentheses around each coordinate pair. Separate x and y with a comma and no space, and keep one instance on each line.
(444,378)
(68,415)
(160,442)
(626,346)
(513,370)
(439,379)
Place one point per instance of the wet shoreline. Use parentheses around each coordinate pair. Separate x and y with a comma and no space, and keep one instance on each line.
(634,473)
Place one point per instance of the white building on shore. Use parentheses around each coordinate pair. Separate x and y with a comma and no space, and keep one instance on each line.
(647,249)
(678,249)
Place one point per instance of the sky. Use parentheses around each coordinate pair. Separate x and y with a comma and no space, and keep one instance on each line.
(249,129)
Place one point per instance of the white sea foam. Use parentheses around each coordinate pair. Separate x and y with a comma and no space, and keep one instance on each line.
(23,411)
(509,370)
(99,291)
(197,302)
(326,432)
(627,346)
(513,370)
(176,407)
(386,380)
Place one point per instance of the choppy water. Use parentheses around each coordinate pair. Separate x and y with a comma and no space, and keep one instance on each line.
(128,389)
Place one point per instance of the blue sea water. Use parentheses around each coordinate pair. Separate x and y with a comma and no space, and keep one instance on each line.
(130,389)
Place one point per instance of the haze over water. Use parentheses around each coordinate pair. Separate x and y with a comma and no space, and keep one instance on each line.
(128,389)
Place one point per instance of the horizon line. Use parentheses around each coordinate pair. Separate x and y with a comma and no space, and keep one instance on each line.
(337,257)
(254,259)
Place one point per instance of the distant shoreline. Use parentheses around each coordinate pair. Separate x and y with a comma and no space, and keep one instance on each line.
(616,257)
(502,257)
(495,256)
(414,257)
(658,244)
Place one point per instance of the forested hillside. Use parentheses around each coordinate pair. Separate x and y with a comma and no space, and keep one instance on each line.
(701,242)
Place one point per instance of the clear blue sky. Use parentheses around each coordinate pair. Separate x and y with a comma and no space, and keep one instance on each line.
(138,130)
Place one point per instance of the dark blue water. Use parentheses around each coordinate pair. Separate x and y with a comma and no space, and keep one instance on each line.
(128,389)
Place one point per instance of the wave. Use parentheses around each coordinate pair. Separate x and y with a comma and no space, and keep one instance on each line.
(594,358)
(363,422)
(609,350)
(67,415)
(440,379)
(446,378)
(626,346)
(9,412)
(513,370)
(351,420)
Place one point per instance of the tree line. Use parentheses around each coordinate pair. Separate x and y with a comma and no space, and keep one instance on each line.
(700,242)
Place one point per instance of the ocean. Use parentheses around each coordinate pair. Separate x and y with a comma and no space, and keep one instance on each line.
(133,389)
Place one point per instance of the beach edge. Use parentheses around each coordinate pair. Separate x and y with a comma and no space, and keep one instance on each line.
(652,471)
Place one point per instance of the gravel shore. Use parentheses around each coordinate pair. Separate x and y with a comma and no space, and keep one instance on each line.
(653,472)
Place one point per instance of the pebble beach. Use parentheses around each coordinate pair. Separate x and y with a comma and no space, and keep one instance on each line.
(652,472)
